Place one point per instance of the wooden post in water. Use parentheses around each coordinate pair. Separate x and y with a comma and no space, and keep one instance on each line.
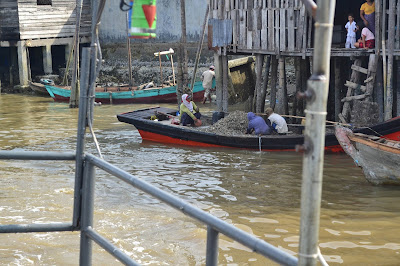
(282,107)
(265,83)
(338,87)
(398,87)
(314,135)
(258,88)
(274,79)
(389,82)
(74,98)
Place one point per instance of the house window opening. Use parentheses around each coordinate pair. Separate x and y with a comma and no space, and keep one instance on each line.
(44,2)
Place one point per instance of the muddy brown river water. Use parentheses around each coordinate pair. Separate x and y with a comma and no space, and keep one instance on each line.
(257,192)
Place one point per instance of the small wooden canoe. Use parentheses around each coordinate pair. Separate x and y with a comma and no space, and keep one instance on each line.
(38,88)
(378,157)
(165,132)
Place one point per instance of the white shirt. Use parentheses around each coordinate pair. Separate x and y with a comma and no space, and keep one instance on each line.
(207,78)
(280,122)
(350,29)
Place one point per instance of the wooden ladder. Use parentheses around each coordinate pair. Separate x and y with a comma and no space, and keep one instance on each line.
(353,84)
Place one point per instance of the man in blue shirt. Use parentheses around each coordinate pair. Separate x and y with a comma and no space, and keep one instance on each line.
(257,124)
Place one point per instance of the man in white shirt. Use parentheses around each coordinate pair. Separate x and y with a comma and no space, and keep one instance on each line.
(277,122)
(207,78)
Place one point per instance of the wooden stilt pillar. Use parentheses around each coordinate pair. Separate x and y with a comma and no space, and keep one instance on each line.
(257,92)
(379,91)
(274,81)
(298,83)
(22,64)
(283,107)
(398,87)
(391,39)
(265,83)
(47,60)
(218,80)
(338,87)
(225,79)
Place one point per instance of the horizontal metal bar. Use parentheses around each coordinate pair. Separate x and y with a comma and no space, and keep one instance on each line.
(37,155)
(31,228)
(229,230)
(113,250)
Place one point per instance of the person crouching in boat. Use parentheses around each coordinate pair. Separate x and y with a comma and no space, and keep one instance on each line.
(188,112)
(257,125)
(278,122)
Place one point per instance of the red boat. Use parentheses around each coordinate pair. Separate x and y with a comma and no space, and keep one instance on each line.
(166,132)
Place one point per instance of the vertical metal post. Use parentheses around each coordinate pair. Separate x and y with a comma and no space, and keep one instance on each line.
(317,95)
(80,143)
(212,247)
(85,256)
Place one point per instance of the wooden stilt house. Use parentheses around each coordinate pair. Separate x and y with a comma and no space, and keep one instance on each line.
(36,36)
(365,86)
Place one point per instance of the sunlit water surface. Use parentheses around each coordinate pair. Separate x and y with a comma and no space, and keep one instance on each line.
(257,192)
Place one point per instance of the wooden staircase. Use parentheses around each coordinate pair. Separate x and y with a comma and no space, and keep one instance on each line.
(353,85)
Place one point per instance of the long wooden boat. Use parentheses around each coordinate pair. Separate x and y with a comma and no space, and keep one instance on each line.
(378,157)
(39,87)
(126,94)
(166,132)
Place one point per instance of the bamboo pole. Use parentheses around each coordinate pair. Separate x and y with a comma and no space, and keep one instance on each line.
(74,99)
(314,139)
(128,44)
(173,69)
(203,32)
(161,79)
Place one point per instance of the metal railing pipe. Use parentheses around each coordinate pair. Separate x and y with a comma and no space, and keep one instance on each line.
(85,256)
(229,230)
(80,138)
(34,228)
(113,250)
(37,155)
(212,247)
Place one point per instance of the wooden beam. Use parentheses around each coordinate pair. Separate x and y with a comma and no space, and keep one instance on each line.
(359,69)
(356,97)
(353,85)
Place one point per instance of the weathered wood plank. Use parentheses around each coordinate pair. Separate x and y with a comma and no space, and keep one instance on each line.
(359,69)
(353,85)
(270,29)
(282,30)
(290,27)
(352,98)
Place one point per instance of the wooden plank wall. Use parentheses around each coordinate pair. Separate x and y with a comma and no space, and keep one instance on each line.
(52,21)
(266,25)
(9,29)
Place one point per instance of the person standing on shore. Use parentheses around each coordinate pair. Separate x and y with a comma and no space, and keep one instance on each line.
(207,78)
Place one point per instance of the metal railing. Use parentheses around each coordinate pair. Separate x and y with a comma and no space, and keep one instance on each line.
(86,207)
